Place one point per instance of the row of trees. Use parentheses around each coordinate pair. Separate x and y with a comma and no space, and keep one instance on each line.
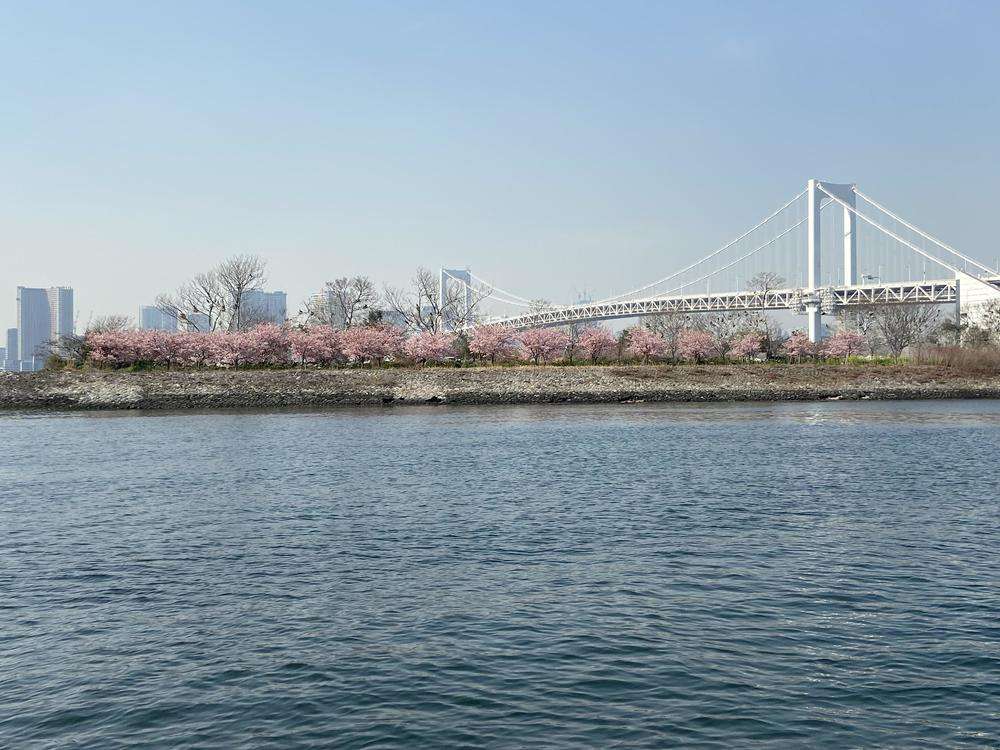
(268,345)
(216,300)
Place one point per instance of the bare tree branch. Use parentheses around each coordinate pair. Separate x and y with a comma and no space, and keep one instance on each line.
(420,307)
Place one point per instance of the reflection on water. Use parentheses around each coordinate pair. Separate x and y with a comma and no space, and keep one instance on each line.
(819,574)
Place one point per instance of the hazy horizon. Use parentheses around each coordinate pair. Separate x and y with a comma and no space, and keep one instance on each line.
(553,148)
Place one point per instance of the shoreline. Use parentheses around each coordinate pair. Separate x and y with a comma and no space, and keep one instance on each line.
(238,389)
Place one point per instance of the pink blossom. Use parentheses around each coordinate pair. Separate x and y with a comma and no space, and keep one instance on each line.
(430,347)
(747,347)
(318,345)
(199,349)
(596,342)
(492,341)
(371,343)
(266,344)
(695,346)
(843,344)
(645,344)
(798,346)
(543,344)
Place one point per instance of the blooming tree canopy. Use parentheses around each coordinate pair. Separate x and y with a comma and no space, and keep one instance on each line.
(695,346)
(371,343)
(543,344)
(747,347)
(596,342)
(798,346)
(318,345)
(492,342)
(844,344)
(645,344)
(427,346)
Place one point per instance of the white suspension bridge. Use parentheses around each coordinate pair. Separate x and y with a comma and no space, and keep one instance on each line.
(857,254)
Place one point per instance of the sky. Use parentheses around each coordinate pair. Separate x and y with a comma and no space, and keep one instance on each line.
(553,147)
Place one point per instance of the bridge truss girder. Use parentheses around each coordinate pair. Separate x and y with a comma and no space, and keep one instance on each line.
(830,299)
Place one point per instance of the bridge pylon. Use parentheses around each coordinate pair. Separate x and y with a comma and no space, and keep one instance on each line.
(814,196)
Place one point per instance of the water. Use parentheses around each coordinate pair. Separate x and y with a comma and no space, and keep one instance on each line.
(618,576)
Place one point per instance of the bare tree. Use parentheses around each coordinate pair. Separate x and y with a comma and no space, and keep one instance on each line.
(900,326)
(198,304)
(216,299)
(766,281)
(724,327)
(110,323)
(539,305)
(669,326)
(862,320)
(344,302)
(237,276)
(989,319)
(420,308)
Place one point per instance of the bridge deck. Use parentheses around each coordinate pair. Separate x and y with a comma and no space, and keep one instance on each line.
(829,298)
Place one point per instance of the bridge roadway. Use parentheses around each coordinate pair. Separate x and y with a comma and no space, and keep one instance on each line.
(828,298)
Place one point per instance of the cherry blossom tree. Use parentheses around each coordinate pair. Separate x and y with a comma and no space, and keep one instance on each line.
(596,342)
(262,345)
(798,346)
(543,344)
(427,347)
(371,343)
(695,346)
(844,344)
(747,347)
(645,344)
(318,345)
(492,342)
(199,349)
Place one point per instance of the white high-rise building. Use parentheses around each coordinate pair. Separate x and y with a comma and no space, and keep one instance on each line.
(154,319)
(43,315)
(60,310)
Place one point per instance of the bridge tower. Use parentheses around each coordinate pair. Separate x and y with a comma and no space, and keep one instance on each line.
(814,306)
(448,277)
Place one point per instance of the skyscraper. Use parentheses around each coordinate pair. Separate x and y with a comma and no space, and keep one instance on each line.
(43,315)
(12,361)
(60,311)
(199,322)
(34,324)
(259,306)
(154,319)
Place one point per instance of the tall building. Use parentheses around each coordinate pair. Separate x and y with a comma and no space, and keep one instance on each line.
(12,361)
(199,322)
(258,306)
(60,311)
(34,324)
(154,319)
(325,309)
(43,315)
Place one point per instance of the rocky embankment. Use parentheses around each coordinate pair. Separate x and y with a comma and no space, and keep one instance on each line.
(95,389)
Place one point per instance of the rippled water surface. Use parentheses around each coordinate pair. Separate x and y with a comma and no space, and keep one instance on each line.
(618,576)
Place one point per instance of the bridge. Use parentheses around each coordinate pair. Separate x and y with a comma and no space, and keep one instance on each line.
(864,249)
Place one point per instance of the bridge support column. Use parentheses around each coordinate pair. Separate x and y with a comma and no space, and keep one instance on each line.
(814,314)
(814,318)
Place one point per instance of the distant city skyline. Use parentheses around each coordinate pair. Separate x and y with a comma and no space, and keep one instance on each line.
(554,147)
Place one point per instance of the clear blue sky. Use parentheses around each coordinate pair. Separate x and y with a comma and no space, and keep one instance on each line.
(550,146)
